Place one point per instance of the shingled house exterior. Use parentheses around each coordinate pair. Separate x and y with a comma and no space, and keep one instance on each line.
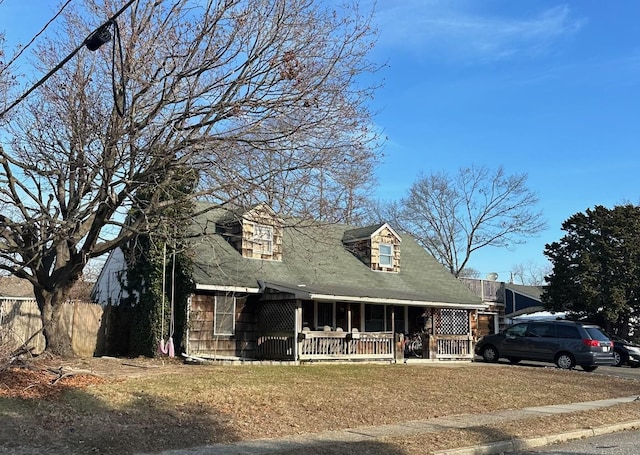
(270,288)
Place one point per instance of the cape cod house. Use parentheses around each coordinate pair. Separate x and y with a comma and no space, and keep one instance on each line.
(270,288)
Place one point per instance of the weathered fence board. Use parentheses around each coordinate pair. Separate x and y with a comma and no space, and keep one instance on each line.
(20,319)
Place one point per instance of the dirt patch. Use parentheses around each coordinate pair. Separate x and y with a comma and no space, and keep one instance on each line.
(109,405)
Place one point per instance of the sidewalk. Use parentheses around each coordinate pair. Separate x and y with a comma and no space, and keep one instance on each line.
(302,443)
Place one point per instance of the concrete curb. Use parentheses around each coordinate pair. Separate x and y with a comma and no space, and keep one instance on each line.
(513,445)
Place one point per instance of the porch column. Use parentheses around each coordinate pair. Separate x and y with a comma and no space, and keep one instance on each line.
(297,328)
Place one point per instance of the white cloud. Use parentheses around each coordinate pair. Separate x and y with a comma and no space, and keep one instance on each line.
(450,31)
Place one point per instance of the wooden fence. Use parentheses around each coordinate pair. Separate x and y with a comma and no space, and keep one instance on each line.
(20,319)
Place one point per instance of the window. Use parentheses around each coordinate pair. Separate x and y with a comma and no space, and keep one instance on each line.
(541,330)
(398,316)
(307,314)
(373,318)
(596,334)
(386,255)
(517,330)
(262,239)
(225,309)
(325,314)
(568,331)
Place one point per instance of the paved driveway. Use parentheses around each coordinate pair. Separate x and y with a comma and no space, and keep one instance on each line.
(624,372)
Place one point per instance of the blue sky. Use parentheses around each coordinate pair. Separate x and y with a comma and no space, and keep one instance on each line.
(548,88)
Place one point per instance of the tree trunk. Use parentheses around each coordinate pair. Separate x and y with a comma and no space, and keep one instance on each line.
(57,333)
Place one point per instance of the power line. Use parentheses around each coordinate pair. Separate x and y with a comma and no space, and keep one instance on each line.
(102,27)
(16,56)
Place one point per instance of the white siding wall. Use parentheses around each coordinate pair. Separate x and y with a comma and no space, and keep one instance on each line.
(108,289)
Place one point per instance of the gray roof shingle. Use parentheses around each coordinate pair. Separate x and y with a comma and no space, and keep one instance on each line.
(314,259)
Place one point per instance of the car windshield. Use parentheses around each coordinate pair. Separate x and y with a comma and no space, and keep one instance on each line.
(596,334)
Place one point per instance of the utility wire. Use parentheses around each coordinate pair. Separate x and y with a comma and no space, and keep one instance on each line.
(67,58)
(17,55)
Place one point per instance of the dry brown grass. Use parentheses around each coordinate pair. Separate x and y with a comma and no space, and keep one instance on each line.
(132,406)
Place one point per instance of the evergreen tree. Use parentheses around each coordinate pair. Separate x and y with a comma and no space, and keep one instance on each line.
(596,267)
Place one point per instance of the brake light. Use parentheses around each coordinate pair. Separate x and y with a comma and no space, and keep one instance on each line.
(591,343)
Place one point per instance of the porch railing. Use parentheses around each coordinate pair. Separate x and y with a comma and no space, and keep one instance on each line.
(454,347)
(323,345)
(320,345)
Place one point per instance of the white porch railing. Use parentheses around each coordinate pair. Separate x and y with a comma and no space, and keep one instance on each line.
(454,347)
(320,345)
(323,345)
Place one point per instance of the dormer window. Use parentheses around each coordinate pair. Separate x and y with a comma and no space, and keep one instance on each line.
(378,246)
(255,233)
(263,239)
(386,255)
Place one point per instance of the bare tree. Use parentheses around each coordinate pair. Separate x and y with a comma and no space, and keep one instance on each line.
(454,215)
(531,273)
(234,96)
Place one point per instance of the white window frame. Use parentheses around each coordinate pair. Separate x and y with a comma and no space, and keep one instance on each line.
(218,329)
(265,242)
(389,255)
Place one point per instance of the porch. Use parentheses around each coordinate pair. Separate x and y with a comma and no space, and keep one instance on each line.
(279,327)
(349,346)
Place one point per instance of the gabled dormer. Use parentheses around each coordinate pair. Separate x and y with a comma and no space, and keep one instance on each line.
(255,233)
(378,246)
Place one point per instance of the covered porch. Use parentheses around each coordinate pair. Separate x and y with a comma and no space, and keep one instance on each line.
(309,326)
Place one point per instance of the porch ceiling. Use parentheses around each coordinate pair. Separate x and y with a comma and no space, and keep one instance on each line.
(352,294)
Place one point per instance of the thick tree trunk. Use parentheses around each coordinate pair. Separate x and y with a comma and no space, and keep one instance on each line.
(56,332)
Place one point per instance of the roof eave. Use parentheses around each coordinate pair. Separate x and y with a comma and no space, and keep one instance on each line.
(386,301)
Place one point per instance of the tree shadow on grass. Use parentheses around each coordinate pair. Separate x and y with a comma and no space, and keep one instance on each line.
(82,424)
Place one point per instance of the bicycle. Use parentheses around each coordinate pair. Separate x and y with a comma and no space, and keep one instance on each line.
(413,345)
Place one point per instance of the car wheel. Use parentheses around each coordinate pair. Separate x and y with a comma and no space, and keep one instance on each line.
(565,361)
(589,368)
(490,354)
(513,360)
(619,358)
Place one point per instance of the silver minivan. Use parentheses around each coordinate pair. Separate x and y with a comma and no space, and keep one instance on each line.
(565,343)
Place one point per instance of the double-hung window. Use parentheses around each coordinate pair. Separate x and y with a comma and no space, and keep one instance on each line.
(225,309)
(263,239)
(386,255)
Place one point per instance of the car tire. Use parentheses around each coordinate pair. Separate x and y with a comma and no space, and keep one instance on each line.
(589,368)
(620,358)
(513,360)
(565,361)
(490,354)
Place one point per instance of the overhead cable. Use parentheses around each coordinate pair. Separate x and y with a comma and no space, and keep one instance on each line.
(88,39)
(18,54)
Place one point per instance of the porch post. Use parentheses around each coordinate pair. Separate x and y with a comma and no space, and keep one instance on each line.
(393,319)
(349,326)
(297,325)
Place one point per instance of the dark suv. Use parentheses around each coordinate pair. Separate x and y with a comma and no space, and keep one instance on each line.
(565,343)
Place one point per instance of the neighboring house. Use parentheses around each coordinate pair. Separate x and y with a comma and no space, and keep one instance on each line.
(504,301)
(522,299)
(268,288)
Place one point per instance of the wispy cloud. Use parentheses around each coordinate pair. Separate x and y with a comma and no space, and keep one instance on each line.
(452,31)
